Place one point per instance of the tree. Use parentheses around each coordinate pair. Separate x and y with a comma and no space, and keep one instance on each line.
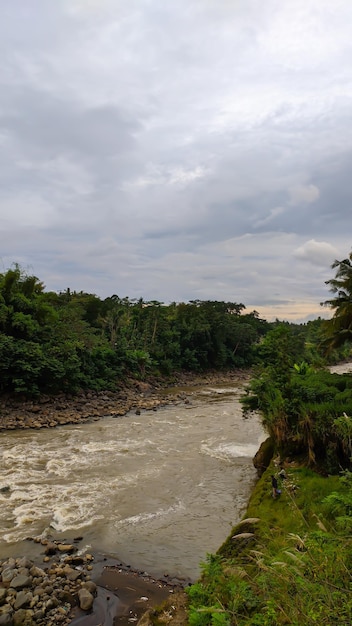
(339,328)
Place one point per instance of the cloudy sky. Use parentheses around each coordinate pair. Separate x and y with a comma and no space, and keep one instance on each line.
(178,149)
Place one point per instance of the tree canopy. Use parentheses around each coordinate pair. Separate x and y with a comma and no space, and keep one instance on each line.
(67,341)
(339,328)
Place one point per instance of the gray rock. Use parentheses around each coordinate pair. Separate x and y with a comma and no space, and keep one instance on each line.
(52,603)
(85,599)
(24,562)
(39,591)
(6,619)
(23,599)
(3,595)
(66,547)
(23,618)
(21,581)
(71,574)
(38,615)
(8,573)
(90,586)
(37,572)
(50,548)
(11,593)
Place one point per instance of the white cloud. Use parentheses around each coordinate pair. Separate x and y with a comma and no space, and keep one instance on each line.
(317,252)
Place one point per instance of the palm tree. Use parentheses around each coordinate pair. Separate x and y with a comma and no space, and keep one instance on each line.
(339,328)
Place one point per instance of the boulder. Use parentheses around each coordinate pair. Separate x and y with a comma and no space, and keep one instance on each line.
(50,548)
(264,455)
(24,562)
(7,574)
(85,599)
(90,585)
(71,574)
(23,599)
(21,581)
(63,547)
(23,618)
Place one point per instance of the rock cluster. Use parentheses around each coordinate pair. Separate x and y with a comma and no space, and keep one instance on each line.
(48,412)
(36,596)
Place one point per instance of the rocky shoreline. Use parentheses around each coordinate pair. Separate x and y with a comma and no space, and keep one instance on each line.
(63,586)
(30,594)
(62,409)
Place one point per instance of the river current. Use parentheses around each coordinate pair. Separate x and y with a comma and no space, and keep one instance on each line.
(158,491)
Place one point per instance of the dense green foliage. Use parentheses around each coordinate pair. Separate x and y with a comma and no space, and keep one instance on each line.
(290,563)
(306,410)
(53,342)
(338,330)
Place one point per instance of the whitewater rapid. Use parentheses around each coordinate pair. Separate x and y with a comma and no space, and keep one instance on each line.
(158,491)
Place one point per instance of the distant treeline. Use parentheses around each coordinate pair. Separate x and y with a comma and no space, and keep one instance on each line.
(51,342)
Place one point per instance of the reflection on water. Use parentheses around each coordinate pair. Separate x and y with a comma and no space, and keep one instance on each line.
(158,491)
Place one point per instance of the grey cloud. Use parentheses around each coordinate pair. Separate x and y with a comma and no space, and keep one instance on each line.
(52,126)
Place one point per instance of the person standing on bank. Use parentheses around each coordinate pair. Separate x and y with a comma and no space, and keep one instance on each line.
(274,485)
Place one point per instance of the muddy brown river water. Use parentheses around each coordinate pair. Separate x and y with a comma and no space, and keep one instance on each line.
(158,491)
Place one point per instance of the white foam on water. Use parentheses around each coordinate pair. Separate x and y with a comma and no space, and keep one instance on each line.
(143,518)
(96,447)
(229,451)
(59,508)
(119,447)
(211,391)
(131,478)
(66,507)
(67,518)
(21,496)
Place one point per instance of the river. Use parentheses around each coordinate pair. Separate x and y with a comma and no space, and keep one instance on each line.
(158,491)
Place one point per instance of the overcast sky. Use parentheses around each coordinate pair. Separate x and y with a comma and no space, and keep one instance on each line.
(178,149)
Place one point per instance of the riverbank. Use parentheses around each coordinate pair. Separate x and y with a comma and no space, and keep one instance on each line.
(288,562)
(132,395)
(65,587)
